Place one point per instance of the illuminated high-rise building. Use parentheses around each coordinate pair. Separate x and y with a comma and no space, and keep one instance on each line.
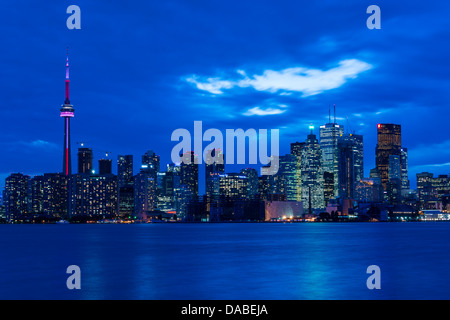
(126,201)
(145,184)
(189,173)
(394,185)
(55,197)
(312,174)
(214,166)
(404,162)
(16,196)
(395,168)
(145,188)
(233,186)
(93,196)
(328,186)
(296,150)
(125,185)
(168,188)
(125,170)
(252,185)
(67,112)
(150,163)
(350,164)
(329,135)
(287,174)
(266,187)
(37,194)
(389,143)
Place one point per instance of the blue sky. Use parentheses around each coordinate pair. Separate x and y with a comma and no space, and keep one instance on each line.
(141,70)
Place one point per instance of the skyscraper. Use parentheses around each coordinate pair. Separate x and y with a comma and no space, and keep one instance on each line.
(350,163)
(125,170)
(214,166)
(389,143)
(16,196)
(266,186)
(145,185)
(145,189)
(37,194)
(55,198)
(150,163)
(125,185)
(93,196)
(189,173)
(329,134)
(394,185)
(85,158)
(395,169)
(287,176)
(358,152)
(105,166)
(67,112)
(404,162)
(233,186)
(312,174)
(425,190)
(296,150)
(168,187)
(252,185)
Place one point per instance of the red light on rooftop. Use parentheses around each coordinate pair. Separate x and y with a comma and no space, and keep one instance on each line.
(379,126)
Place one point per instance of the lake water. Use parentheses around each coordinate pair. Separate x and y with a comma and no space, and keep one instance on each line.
(226,261)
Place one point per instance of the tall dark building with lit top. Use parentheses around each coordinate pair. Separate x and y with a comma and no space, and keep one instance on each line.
(389,143)
(85,158)
(125,170)
(105,166)
(350,158)
(125,185)
(67,112)
(215,166)
(189,173)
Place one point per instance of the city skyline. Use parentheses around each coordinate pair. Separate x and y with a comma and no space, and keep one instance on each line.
(225,156)
(129,94)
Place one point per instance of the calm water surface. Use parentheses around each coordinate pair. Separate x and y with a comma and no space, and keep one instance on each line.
(226,261)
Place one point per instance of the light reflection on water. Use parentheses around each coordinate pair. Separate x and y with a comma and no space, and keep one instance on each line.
(226,261)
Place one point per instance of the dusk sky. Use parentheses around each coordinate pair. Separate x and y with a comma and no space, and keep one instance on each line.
(140,70)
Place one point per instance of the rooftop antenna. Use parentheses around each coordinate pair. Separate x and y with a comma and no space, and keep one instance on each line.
(348,126)
(334,106)
(329,114)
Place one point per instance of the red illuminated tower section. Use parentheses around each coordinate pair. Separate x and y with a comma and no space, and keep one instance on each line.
(67,112)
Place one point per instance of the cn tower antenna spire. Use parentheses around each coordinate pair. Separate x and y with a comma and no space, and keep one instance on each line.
(67,101)
(67,112)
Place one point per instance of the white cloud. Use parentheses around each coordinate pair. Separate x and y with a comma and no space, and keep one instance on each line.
(257,111)
(212,85)
(300,79)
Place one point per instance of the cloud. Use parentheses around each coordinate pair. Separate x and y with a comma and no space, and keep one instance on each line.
(212,85)
(38,144)
(41,144)
(257,111)
(307,81)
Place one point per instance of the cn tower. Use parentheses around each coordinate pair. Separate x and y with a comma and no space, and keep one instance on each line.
(67,112)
